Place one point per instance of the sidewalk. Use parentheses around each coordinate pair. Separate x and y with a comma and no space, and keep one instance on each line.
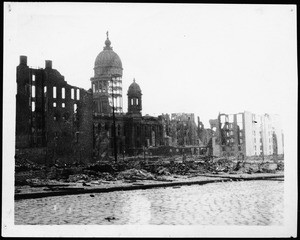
(61,188)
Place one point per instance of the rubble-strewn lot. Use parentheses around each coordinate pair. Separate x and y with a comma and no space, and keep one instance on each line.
(133,169)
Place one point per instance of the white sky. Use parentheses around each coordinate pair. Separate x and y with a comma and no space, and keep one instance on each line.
(203,59)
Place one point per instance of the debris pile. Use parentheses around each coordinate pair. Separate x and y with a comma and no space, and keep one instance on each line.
(135,174)
(102,167)
(139,168)
(280,166)
(269,167)
(22,164)
(162,171)
(78,177)
(222,165)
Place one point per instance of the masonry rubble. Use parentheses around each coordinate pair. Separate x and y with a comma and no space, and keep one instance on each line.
(138,168)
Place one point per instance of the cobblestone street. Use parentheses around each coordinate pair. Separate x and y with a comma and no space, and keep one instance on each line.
(230,203)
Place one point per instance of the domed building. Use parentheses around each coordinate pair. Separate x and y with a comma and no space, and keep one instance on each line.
(107,81)
(114,130)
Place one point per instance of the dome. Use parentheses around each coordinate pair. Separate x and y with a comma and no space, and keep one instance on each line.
(134,89)
(108,62)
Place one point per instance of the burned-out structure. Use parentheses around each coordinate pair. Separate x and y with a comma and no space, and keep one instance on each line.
(53,118)
(228,138)
(59,122)
(246,134)
(181,131)
(115,131)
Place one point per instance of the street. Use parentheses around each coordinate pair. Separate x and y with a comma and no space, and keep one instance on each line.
(230,203)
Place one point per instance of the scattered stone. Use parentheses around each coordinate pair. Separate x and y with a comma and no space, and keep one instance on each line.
(136,174)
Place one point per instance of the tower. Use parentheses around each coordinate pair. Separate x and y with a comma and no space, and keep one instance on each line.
(107,81)
(134,99)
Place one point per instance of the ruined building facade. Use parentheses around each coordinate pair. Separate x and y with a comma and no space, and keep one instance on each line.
(59,122)
(133,132)
(53,118)
(180,129)
(247,134)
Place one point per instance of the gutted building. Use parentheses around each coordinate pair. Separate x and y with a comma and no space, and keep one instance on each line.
(180,129)
(247,134)
(53,118)
(126,133)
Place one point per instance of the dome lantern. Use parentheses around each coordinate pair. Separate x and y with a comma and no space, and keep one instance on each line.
(107,43)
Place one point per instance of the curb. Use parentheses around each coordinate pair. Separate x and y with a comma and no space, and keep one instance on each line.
(138,187)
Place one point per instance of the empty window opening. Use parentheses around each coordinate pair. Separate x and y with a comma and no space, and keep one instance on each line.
(72,93)
(33,91)
(63,105)
(78,94)
(75,107)
(45,90)
(137,101)
(33,77)
(131,101)
(63,93)
(54,104)
(54,92)
(32,106)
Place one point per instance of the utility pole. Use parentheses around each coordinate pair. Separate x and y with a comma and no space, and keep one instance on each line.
(114,119)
